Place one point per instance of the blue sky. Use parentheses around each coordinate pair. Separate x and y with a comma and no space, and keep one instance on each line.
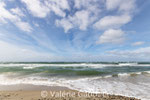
(74,30)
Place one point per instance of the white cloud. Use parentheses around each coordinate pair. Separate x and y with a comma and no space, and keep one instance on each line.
(124,12)
(112,22)
(138,43)
(112,4)
(15,19)
(111,36)
(36,24)
(17,11)
(87,3)
(41,9)
(140,53)
(93,7)
(62,4)
(37,8)
(122,5)
(125,8)
(58,6)
(11,0)
(24,26)
(82,3)
(5,14)
(80,19)
(79,3)
(67,25)
(128,6)
(87,13)
(56,10)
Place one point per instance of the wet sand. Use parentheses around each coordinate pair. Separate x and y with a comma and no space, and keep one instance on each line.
(32,92)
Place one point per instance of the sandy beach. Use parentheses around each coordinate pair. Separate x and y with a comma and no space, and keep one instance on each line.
(31,92)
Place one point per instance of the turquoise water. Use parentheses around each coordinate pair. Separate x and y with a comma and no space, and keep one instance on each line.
(74,69)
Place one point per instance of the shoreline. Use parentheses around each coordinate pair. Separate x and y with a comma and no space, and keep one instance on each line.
(35,92)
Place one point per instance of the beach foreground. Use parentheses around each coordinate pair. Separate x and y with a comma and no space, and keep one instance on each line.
(30,92)
(124,79)
(36,95)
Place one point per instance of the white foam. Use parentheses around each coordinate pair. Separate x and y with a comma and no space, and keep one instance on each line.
(94,85)
(76,65)
(56,65)
(123,74)
(129,74)
(28,67)
(147,72)
(128,64)
(107,76)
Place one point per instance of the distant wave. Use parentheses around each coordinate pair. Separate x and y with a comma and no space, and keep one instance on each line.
(76,65)
(128,64)
(82,69)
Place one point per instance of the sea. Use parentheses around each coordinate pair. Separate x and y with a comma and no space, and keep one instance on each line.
(120,78)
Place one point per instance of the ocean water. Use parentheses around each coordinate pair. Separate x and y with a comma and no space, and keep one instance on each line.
(128,79)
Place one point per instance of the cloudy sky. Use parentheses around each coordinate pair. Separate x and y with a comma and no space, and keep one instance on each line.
(74,30)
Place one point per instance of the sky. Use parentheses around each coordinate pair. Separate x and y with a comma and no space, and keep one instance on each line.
(74,30)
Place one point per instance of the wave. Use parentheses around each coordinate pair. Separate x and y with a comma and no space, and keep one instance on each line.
(131,74)
(118,86)
(71,71)
(128,64)
(28,67)
(129,79)
(75,65)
